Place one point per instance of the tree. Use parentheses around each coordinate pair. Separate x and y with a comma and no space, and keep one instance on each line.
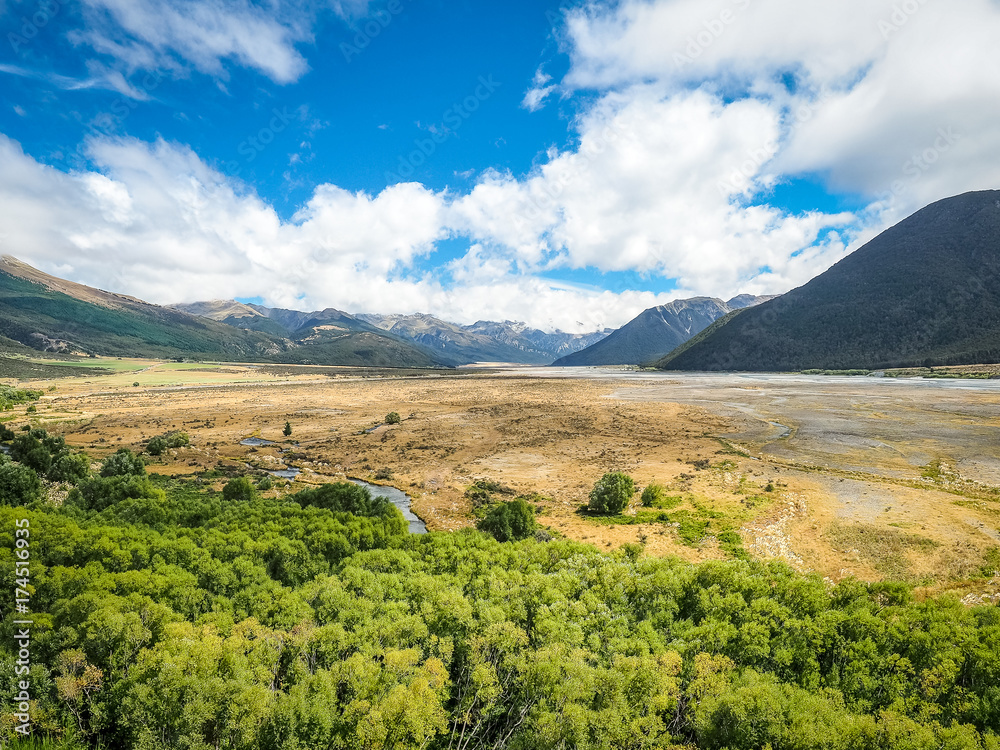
(19,485)
(240,489)
(346,497)
(509,521)
(122,464)
(612,493)
(156,445)
(288,429)
(70,467)
(393,418)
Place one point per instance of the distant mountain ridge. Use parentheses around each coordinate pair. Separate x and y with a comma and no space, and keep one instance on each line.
(924,292)
(657,331)
(50,314)
(484,341)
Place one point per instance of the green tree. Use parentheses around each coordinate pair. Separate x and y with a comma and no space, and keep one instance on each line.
(19,485)
(288,429)
(509,521)
(612,493)
(239,490)
(156,445)
(123,463)
(70,467)
(393,418)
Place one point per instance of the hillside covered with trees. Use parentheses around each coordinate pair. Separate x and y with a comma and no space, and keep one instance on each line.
(924,293)
(170,615)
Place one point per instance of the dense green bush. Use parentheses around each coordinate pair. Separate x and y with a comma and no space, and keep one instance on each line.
(11,396)
(160,443)
(347,497)
(70,468)
(239,490)
(19,485)
(98,493)
(509,521)
(156,445)
(393,418)
(612,493)
(123,463)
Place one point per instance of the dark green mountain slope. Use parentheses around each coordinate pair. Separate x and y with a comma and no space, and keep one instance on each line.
(925,292)
(655,332)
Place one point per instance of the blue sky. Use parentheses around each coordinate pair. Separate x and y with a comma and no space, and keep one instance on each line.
(567,165)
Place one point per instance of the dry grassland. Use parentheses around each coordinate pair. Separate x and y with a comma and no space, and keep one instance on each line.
(841,478)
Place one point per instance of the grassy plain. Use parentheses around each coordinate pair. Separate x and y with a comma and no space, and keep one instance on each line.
(842,476)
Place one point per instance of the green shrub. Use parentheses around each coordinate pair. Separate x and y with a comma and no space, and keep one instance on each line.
(178,440)
(654,496)
(98,493)
(239,490)
(345,497)
(612,493)
(10,396)
(71,467)
(288,429)
(266,483)
(19,485)
(156,446)
(393,418)
(123,463)
(509,521)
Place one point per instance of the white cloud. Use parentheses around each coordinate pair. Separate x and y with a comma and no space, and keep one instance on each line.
(534,97)
(158,223)
(893,75)
(206,34)
(101,78)
(653,187)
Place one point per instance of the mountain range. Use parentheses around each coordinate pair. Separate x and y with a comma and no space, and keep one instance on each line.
(657,331)
(49,314)
(925,292)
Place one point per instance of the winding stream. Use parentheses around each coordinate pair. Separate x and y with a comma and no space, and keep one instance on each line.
(400,499)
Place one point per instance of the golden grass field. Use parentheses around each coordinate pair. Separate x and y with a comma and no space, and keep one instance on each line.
(875,478)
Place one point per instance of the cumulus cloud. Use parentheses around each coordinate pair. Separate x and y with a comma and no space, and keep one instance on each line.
(654,186)
(880,81)
(158,223)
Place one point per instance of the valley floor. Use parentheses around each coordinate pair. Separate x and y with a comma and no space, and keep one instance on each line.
(876,478)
